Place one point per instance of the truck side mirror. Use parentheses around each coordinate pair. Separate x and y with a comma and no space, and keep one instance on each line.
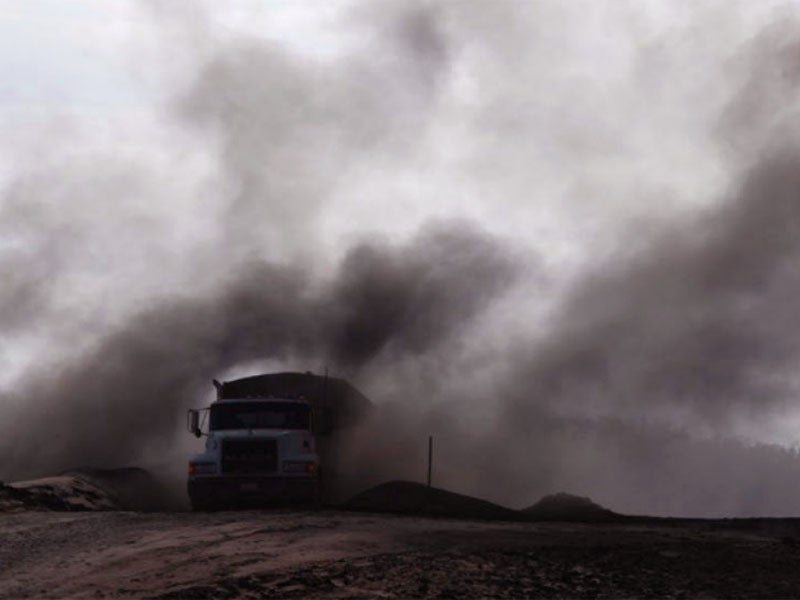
(193,422)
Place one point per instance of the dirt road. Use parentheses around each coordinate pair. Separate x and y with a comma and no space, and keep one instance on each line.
(347,555)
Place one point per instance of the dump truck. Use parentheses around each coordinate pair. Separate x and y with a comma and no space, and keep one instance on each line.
(270,438)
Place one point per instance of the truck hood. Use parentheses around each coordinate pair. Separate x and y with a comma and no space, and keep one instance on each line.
(290,441)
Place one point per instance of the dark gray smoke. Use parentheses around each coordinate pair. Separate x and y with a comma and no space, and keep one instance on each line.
(120,357)
(697,328)
(104,407)
(408,303)
(666,352)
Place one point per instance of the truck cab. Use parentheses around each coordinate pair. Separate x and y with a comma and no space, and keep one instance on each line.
(256,449)
(267,437)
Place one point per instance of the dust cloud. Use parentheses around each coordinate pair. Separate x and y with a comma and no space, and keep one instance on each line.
(123,395)
(635,359)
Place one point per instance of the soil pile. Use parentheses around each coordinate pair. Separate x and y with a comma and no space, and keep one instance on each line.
(65,492)
(566,507)
(406,497)
(129,488)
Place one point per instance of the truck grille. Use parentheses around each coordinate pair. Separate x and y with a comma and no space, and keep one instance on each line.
(249,456)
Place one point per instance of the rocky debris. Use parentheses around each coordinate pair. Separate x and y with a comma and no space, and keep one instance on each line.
(566,507)
(406,497)
(612,571)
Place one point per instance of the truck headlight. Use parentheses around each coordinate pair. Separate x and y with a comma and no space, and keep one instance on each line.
(299,466)
(202,468)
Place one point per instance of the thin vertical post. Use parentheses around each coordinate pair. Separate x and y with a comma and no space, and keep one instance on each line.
(430,458)
(325,409)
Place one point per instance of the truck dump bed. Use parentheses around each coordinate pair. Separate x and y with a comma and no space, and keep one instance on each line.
(336,403)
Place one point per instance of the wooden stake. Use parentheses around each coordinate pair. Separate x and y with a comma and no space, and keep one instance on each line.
(430,458)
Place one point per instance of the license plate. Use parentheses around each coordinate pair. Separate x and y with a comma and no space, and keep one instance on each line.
(248,487)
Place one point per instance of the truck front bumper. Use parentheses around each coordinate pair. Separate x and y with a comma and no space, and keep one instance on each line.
(210,491)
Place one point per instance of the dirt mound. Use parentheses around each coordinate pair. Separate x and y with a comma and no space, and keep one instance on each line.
(566,507)
(128,488)
(131,488)
(406,497)
(65,492)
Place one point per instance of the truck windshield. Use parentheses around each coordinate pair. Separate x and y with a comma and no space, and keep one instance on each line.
(260,415)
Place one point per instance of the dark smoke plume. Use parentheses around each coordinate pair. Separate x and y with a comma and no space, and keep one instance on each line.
(117,365)
(407,304)
(126,395)
(698,329)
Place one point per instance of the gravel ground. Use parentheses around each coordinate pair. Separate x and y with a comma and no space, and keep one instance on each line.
(351,555)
